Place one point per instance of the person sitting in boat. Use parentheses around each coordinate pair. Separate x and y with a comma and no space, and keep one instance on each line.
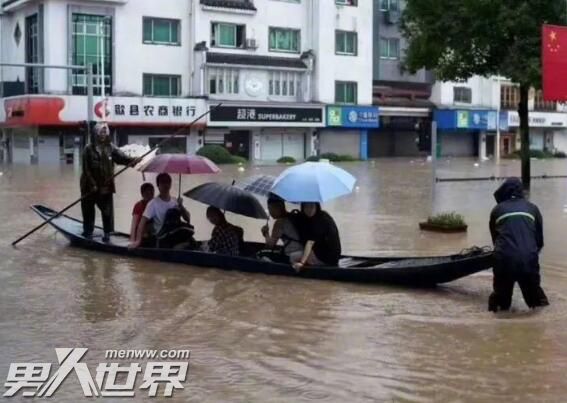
(321,237)
(147,190)
(285,228)
(225,238)
(157,211)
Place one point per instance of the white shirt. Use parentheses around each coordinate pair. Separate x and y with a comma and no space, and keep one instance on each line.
(155,211)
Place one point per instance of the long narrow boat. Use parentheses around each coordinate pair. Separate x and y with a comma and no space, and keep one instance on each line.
(419,271)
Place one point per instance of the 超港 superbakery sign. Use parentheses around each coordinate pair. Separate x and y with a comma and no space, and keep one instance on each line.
(539,119)
(266,115)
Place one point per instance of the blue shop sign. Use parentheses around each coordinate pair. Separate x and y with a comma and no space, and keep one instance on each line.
(448,119)
(363,117)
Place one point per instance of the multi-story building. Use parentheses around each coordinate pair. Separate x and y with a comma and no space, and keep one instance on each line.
(403,98)
(274,64)
(141,55)
(469,115)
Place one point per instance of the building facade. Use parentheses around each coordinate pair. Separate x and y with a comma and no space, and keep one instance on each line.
(273,64)
(482,106)
(140,52)
(403,99)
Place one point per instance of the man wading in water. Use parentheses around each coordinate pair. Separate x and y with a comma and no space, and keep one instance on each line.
(97,182)
(516,227)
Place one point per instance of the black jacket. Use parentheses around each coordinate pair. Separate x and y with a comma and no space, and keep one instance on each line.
(321,229)
(516,227)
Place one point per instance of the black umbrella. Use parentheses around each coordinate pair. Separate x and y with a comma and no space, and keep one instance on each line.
(257,184)
(229,198)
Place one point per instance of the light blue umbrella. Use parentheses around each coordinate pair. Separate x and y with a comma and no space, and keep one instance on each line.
(313,182)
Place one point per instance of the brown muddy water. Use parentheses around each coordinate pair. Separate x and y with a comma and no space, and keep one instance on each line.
(257,338)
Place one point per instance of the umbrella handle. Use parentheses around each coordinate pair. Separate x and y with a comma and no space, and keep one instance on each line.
(179,191)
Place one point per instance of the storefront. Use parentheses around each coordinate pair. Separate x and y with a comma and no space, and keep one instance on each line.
(263,134)
(50,129)
(465,133)
(347,130)
(548,130)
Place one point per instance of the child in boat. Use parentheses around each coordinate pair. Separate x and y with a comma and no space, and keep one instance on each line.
(157,210)
(321,237)
(225,238)
(147,190)
(284,228)
(516,227)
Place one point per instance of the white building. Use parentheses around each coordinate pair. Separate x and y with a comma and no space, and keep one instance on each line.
(274,64)
(495,101)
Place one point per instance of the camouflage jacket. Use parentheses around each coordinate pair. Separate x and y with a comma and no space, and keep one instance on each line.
(98,167)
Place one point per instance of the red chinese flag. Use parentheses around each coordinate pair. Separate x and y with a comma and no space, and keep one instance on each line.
(554,58)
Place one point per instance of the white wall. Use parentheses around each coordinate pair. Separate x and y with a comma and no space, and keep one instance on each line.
(485,93)
(317,21)
(330,67)
(132,58)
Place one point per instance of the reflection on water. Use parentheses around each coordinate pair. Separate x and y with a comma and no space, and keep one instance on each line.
(261,338)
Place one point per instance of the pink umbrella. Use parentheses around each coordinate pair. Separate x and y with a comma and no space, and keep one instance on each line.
(180,164)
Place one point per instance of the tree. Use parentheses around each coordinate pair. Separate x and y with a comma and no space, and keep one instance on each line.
(458,39)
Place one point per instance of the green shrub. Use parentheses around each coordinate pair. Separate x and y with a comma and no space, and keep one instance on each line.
(329,156)
(539,154)
(560,154)
(447,220)
(312,158)
(347,158)
(217,154)
(286,160)
(237,159)
(220,155)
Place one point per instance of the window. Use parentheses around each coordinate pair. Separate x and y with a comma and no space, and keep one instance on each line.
(224,81)
(346,2)
(509,96)
(284,84)
(462,95)
(346,43)
(162,85)
(346,92)
(228,35)
(389,48)
(92,44)
(389,5)
(284,40)
(542,105)
(32,54)
(161,31)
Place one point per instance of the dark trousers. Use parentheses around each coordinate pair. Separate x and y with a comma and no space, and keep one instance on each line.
(503,285)
(104,204)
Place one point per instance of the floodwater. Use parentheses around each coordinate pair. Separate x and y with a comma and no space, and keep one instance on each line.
(278,339)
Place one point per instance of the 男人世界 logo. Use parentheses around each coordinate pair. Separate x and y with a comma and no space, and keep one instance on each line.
(112,379)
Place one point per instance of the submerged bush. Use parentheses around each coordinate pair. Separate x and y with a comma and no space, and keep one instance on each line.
(286,160)
(220,155)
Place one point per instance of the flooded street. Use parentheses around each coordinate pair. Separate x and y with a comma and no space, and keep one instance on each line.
(280,339)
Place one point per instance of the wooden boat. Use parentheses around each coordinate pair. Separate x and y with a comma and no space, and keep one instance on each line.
(418,271)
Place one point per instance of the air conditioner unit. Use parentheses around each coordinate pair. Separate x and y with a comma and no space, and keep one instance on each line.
(251,44)
(392,17)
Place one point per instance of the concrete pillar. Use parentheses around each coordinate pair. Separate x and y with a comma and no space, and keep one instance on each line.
(256,146)
(4,147)
(312,143)
(482,146)
(364,145)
